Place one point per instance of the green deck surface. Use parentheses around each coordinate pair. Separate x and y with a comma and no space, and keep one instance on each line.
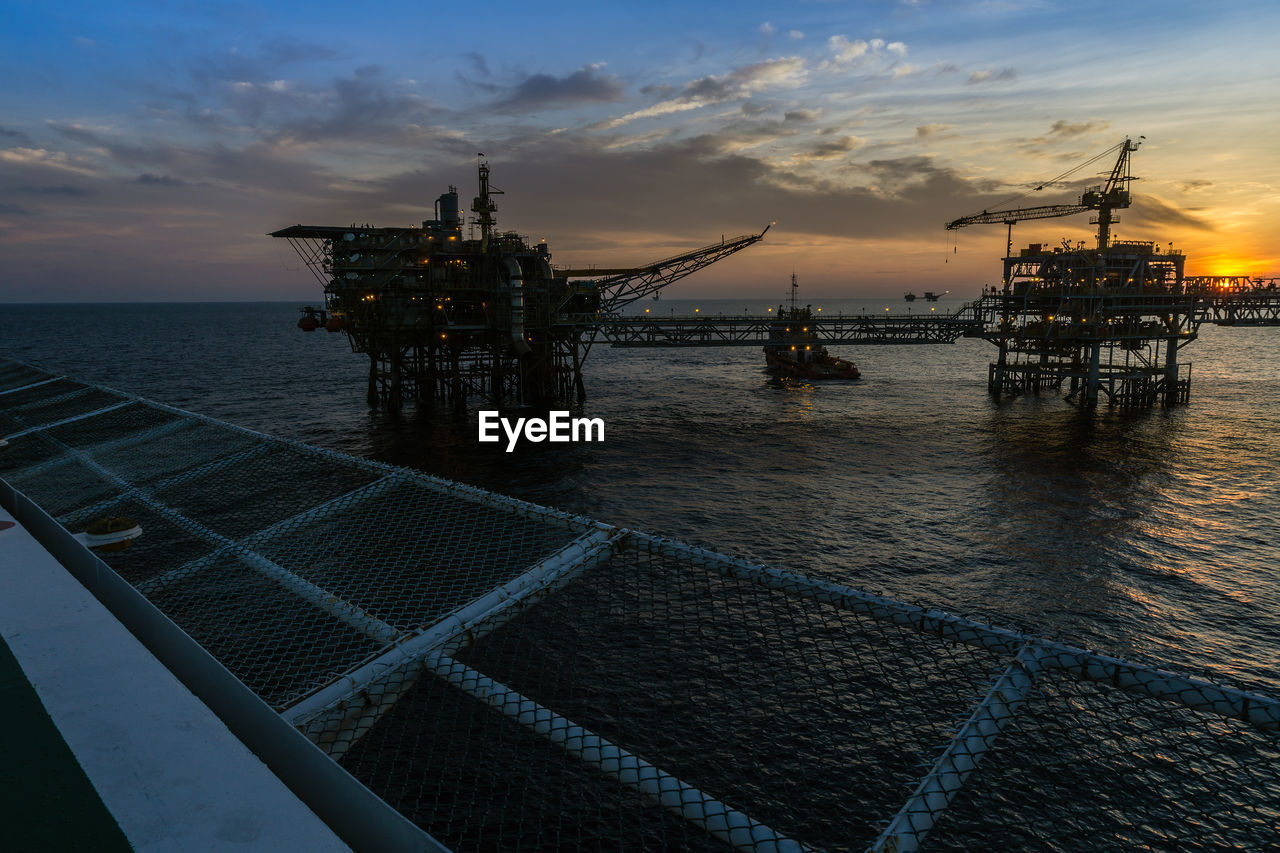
(46,801)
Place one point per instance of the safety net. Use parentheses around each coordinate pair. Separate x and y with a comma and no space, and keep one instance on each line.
(508,676)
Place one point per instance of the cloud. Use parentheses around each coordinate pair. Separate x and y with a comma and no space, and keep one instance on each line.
(989,75)
(159,180)
(1194,186)
(926,131)
(44,158)
(126,153)
(767,29)
(364,107)
(1152,211)
(683,192)
(478,63)
(738,136)
(543,91)
(13,137)
(264,63)
(894,174)
(659,90)
(802,115)
(738,84)
(795,35)
(1065,130)
(845,52)
(287,51)
(266,169)
(56,190)
(831,150)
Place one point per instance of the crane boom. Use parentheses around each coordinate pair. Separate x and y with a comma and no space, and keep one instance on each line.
(621,287)
(1114,195)
(1008,217)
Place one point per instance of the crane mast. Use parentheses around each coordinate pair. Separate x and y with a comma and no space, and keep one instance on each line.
(1112,196)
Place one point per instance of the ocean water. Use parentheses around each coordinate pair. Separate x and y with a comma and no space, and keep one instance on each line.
(1152,535)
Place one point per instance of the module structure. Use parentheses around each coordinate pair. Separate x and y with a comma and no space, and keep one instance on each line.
(447,316)
(1107,319)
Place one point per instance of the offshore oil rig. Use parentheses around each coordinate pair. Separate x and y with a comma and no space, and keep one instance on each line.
(1107,319)
(443,316)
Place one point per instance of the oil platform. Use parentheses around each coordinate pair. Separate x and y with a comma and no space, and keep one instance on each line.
(447,316)
(1105,319)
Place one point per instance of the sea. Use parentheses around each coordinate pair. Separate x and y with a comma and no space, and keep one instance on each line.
(1150,535)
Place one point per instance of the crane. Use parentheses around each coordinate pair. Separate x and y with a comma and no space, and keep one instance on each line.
(619,287)
(1114,195)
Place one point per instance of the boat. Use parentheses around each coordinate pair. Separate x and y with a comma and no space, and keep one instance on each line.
(793,349)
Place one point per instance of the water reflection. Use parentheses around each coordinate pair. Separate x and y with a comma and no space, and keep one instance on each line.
(1106,521)
(1066,493)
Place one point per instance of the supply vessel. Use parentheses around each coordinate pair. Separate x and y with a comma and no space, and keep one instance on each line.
(794,350)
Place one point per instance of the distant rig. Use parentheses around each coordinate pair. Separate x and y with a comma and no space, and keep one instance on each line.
(443,316)
(1108,319)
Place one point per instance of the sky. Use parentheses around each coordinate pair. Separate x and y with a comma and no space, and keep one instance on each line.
(147,148)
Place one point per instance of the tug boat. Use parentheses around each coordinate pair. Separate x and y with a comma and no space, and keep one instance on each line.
(793,349)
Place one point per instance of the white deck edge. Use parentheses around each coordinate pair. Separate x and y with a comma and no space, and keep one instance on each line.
(169,771)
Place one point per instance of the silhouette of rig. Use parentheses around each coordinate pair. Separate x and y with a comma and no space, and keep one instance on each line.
(443,316)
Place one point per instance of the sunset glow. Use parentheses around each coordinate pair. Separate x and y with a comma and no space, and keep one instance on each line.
(145,151)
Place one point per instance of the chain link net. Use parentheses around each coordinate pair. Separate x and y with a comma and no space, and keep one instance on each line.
(807,717)
(1087,767)
(511,677)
